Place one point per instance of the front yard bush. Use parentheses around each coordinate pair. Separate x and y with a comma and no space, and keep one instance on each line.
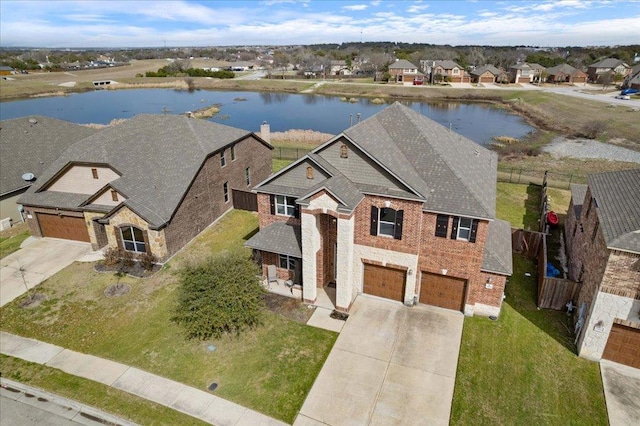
(220,296)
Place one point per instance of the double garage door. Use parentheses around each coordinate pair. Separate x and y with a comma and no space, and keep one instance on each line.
(443,291)
(62,226)
(623,346)
(384,282)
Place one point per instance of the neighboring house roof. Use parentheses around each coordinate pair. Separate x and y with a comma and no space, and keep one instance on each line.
(481,70)
(522,66)
(537,67)
(565,69)
(31,144)
(157,157)
(402,64)
(578,192)
(424,161)
(497,250)
(280,238)
(608,63)
(617,196)
(447,64)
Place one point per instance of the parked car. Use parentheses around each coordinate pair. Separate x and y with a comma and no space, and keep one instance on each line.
(418,81)
(625,97)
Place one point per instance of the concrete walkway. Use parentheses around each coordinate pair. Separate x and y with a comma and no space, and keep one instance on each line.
(390,365)
(621,391)
(194,402)
(55,406)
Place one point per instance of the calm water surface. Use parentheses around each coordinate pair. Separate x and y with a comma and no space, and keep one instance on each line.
(478,122)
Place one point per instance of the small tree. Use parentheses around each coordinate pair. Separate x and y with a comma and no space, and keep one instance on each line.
(220,296)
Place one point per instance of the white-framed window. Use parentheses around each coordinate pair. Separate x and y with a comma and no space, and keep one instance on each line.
(287,262)
(247,176)
(223,158)
(233,153)
(464,228)
(285,206)
(133,239)
(225,190)
(387,222)
(455,71)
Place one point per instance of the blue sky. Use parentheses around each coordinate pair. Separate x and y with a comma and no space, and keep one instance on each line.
(276,22)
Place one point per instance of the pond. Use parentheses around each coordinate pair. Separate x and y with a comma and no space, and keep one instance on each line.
(247,110)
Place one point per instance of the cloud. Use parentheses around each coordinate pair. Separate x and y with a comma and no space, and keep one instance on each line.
(356,7)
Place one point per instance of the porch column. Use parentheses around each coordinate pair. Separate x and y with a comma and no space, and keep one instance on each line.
(310,246)
(344,267)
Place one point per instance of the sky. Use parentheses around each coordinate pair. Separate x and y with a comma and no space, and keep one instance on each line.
(127,24)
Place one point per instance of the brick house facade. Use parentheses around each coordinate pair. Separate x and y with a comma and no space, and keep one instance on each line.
(365,227)
(148,185)
(603,245)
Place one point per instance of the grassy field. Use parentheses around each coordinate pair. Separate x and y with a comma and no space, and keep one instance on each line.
(269,369)
(522,369)
(94,394)
(11,238)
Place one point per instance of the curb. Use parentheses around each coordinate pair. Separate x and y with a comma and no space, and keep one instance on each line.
(72,410)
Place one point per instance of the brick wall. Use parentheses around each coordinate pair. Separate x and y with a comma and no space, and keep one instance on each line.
(622,274)
(265,218)
(272,259)
(571,234)
(204,201)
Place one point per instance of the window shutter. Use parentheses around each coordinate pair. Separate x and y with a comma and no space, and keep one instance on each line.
(296,209)
(374,220)
(442,223)
(397,232)
(118,237)
(474,230)
(272,201)
(145,237)
(454,227)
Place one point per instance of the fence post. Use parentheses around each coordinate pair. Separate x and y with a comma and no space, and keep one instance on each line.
(519,175)
(511,175)
(297,154)
(570,179)
(280,149)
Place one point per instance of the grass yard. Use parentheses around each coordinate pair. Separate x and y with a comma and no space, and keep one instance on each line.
(518,204)
(11,239)
(522,369)
(270,369)
(94,394)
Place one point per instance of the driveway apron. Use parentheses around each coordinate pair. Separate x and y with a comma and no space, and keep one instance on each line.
(621,389)
(38,261)
(390,365)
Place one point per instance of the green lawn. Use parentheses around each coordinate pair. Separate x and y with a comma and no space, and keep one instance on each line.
(518,204)
(92,393)
(10,244)
(270,369)
(522,369)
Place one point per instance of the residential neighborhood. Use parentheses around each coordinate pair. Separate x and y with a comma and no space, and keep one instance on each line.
(320,213)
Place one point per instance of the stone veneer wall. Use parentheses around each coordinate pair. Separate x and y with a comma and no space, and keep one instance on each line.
(156,239)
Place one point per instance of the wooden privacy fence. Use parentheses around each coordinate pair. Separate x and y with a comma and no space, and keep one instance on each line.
(526,243)
(245,200)
(553,293)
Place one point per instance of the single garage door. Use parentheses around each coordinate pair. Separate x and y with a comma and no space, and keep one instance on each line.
(443,291)
(384,282)
(623,346)
(61,226)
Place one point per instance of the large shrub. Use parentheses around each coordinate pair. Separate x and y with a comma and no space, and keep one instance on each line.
(220,296)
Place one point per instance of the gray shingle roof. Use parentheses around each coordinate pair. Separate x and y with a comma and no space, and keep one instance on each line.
(279,238)
(563,69)
(158,156)
(607,63)
(28,147)
(401,64)
(481,70)
(617,195)
(454,174)
(578,192)
(447,64)
(497,250)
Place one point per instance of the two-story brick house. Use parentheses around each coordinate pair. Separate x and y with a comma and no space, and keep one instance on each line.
(396,206)
(147,185)
(603,244)
(403,71)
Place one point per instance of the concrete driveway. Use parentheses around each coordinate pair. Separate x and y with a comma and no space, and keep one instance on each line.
(39,259)
(390,365)
(621,390)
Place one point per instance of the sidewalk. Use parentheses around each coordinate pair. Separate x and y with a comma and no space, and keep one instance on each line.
(194,402)
(57,405)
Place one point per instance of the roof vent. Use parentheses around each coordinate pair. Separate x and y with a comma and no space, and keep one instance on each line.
(28,177)
(33,120)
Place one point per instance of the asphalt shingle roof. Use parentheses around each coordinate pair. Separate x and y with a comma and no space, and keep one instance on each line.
(158,156)
(578,192)
(402,63)
(497,250)
(447,64)
(617,195)
(279,238)
(481,70)
(607,63)
(563,69)
(30,147)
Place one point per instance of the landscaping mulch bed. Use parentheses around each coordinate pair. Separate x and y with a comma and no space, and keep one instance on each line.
(135,271)
(288,307)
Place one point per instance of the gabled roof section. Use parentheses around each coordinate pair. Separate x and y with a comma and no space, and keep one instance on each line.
(481,70)
(454,174)
(447,64)
(617,195)
(497,256)
(564,69)
(31,144)
(158,156)
(402,64)
(608,63)
(280,238)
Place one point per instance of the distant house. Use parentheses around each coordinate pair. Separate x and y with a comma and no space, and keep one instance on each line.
(147,185)
(632,80)
(449,71)
(485,74)
(30,145)
(403,71)
(5,70)
(521,73)
(565,73)
(608,67)
(340,68)
(602,232)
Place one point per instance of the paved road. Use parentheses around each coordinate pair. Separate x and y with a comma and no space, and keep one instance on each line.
(607,97)
(18,413)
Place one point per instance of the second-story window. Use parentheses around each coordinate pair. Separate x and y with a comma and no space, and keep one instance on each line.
(386,221)
(285,206)
(464,228)
(223,159)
